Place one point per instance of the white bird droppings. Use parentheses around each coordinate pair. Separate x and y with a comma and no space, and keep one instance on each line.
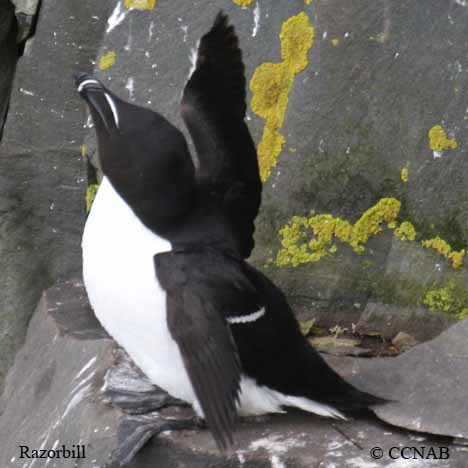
(25,91)
(256,14)
(131,87)
(117,16)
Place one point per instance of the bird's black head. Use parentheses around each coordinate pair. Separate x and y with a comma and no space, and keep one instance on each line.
(140,152)
(112,116)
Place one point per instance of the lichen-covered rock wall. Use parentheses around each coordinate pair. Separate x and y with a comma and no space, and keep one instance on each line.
(359,112)
(368,200)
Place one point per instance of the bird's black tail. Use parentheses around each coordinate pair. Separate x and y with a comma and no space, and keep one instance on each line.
(330,388)
(280,357)
(354,402)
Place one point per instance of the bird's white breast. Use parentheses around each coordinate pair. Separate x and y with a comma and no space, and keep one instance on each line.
(120,279)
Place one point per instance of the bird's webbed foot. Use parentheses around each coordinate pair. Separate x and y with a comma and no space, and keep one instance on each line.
(136,430)
(143,405)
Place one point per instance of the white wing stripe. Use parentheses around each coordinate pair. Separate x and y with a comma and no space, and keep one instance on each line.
(247,318)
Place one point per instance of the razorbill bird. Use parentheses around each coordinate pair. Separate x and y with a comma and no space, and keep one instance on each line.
(164,252)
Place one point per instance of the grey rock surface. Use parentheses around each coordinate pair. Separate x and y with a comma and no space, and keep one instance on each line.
(50,392)
(53,397)
(390,320)
(386,320)
(403,341)
(428,384)
(42,174)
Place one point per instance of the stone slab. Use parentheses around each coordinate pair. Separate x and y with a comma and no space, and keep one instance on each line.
(428,384)
(53,396)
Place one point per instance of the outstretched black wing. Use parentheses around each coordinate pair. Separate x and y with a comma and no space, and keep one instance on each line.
(213,108)
(205,289)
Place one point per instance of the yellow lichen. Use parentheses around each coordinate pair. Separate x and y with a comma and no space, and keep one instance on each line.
(296,38)
(449,299)
(406,231)
(271,84)
(269,148)
(107,60)
(463,314)
(140,4)
(90,195)
(291,252)
(269,99)
(404,175)
(439,141)
(335,41)
(444,249)
(380,37)
(325,228)
(439,299)
(84,151)
(307,2)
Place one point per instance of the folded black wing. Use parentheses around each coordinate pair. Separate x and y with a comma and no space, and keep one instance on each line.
(204,288)
(213,108)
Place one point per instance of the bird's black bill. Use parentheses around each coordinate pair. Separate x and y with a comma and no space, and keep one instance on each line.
(101,103)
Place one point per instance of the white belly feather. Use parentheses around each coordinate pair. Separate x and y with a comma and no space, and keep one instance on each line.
(120,279)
